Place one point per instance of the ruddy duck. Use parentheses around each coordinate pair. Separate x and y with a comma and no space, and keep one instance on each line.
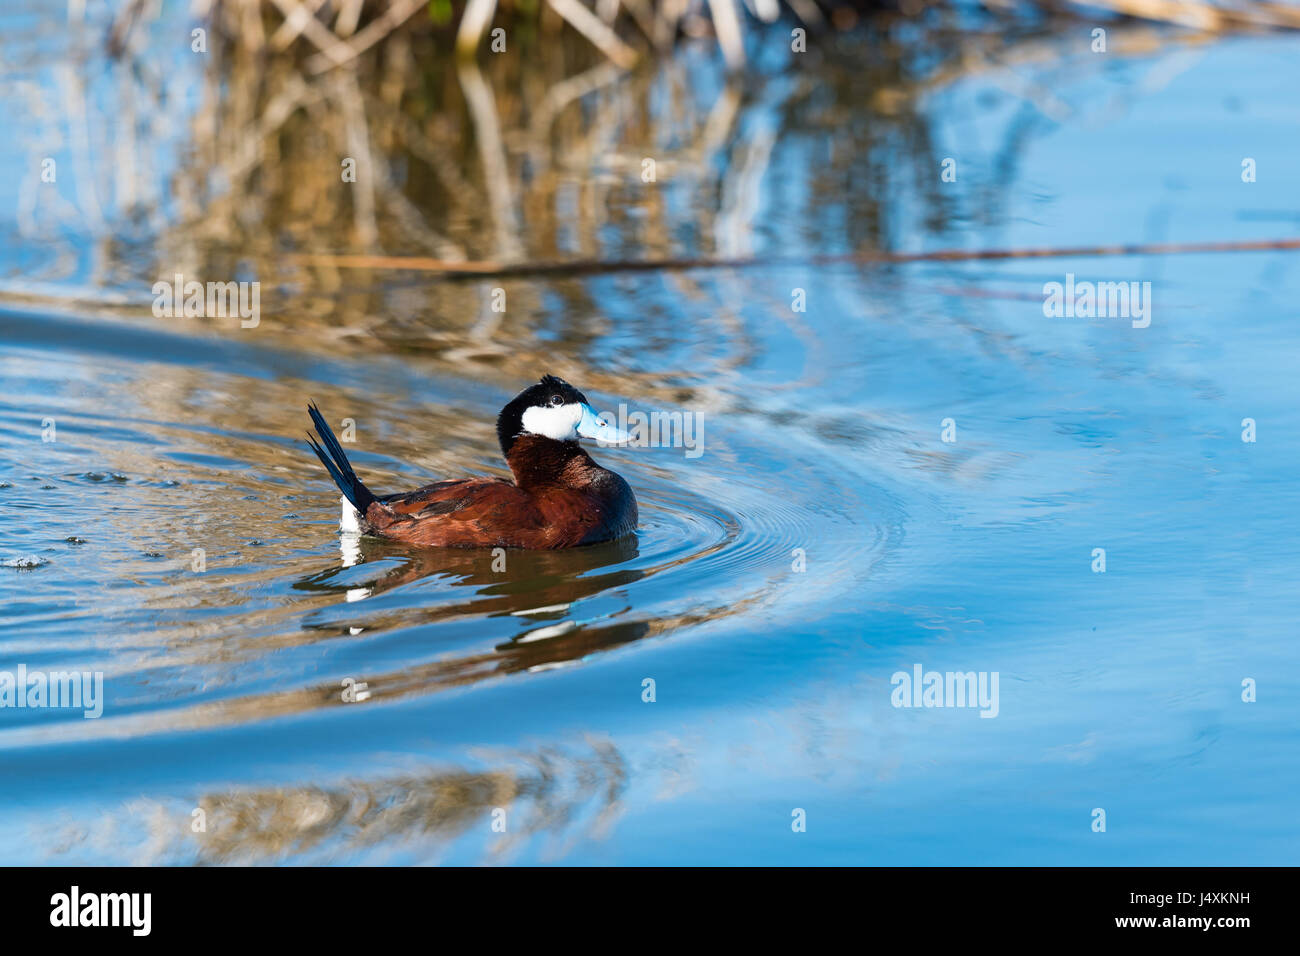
(560,497)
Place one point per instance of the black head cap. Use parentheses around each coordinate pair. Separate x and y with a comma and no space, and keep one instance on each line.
(510,423)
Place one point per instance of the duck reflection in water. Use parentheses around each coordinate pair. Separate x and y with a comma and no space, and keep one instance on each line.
(538,586)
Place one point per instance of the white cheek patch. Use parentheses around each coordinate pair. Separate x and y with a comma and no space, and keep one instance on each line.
(559,422)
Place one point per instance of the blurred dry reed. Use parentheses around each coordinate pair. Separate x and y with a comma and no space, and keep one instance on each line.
(501,161)
(623,29)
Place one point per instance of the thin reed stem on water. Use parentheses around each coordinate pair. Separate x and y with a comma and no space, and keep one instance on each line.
(587,267)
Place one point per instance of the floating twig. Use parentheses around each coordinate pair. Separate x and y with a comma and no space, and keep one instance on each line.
(579,267)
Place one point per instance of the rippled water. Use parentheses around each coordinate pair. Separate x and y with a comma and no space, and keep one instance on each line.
(827,537)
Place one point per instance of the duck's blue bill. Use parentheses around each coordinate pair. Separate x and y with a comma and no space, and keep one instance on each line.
(593,426)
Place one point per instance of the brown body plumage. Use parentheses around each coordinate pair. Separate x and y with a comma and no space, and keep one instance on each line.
(560,498)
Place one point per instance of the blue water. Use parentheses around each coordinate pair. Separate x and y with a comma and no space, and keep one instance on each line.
(521,691)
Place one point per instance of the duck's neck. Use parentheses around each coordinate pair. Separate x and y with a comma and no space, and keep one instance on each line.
(540,462)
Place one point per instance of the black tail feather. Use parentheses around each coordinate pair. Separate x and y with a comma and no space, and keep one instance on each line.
(336,462)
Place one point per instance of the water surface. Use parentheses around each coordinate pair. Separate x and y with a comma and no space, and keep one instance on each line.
(827,537)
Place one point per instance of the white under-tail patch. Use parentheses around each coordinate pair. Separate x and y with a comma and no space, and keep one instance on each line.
(349,519)
(350,540)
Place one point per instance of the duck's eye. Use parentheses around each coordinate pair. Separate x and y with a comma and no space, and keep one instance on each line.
(556,400)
